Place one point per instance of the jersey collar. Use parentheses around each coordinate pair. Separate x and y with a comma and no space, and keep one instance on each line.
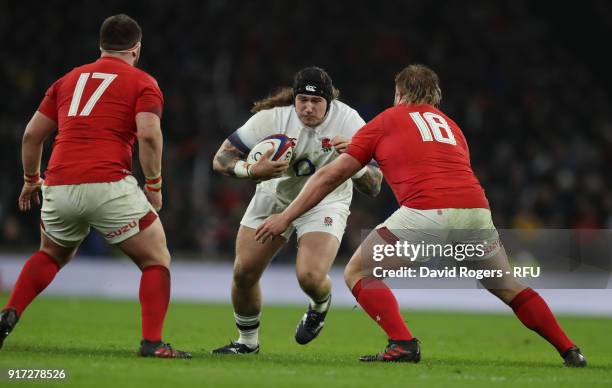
(113,59)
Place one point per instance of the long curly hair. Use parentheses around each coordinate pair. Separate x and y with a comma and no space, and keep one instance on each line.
(418,84)
(281,97)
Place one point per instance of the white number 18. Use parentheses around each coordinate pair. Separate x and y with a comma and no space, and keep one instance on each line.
(429,123)
(78,92)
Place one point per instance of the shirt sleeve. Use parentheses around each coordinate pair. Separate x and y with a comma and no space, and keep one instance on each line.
(363,144)
(150,98)
(257,128)
(48,105)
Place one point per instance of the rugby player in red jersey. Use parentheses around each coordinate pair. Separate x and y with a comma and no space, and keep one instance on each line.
(425,159)
(100,109)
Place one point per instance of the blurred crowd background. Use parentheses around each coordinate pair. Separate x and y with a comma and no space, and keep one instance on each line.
(528,82)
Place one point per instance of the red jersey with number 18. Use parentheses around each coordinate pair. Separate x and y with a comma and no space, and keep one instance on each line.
(423,156)
(95,106)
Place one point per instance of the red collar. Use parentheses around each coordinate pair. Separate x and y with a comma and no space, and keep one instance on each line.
(114,59)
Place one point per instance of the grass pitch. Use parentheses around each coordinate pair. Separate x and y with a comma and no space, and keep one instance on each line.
(96,341)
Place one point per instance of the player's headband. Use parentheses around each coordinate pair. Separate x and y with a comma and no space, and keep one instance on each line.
(130,50)
(314,82)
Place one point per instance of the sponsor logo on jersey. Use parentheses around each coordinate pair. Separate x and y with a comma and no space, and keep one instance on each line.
(328,221)
(326,145)
(122,230)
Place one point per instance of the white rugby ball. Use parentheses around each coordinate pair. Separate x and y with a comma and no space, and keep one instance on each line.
(283,148)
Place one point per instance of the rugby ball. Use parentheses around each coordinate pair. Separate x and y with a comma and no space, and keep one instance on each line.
(283,148)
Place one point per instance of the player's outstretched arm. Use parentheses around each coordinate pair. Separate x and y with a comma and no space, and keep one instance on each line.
(230,161)
(323,182)
(37,130)
(369,183)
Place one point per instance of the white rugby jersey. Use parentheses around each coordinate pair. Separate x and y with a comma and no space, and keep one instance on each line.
(312,150)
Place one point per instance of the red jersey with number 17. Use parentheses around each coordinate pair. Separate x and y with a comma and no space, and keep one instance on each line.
(95,106)
(423,156)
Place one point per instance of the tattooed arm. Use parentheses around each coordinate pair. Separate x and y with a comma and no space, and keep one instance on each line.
(228,156)
(370,182)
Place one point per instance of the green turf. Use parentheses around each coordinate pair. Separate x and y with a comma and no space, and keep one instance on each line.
(96,341)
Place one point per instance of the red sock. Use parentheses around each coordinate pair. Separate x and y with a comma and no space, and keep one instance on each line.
(533,311)
(37,273)
(379,302)
(154,298)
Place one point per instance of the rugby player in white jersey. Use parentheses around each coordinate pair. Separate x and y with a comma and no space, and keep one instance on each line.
(322,127)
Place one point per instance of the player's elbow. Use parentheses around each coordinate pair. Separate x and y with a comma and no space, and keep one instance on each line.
(377,184)
(373,191)
(370,184)
(38,129)
(30,138)
(150,135)
(148,128)
(216,165)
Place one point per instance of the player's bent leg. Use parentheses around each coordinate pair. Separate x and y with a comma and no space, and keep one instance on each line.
(354,270)
(37,273)
(149,252)
(380,304)
(251,260)
(60,254)
(506,287)
(530,309)
(148,247)
(362,265)
(316,253)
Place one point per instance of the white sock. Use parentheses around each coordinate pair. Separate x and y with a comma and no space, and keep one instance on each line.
(248,327)
(320,307)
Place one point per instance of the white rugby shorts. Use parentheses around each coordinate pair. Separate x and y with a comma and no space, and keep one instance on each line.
(443,226)
(118,210)
(328,218)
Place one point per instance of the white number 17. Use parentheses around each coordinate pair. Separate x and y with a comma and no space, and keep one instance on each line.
(78,92)
(429,123)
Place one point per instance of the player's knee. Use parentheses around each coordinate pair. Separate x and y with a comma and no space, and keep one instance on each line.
(154,257)
(164,257)
(352,273)
(245,277)
(311,280)
(60,259)
(507,291)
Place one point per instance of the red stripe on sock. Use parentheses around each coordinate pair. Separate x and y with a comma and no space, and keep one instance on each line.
(37,273)
(380,304)
(535,314)
(154,299)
